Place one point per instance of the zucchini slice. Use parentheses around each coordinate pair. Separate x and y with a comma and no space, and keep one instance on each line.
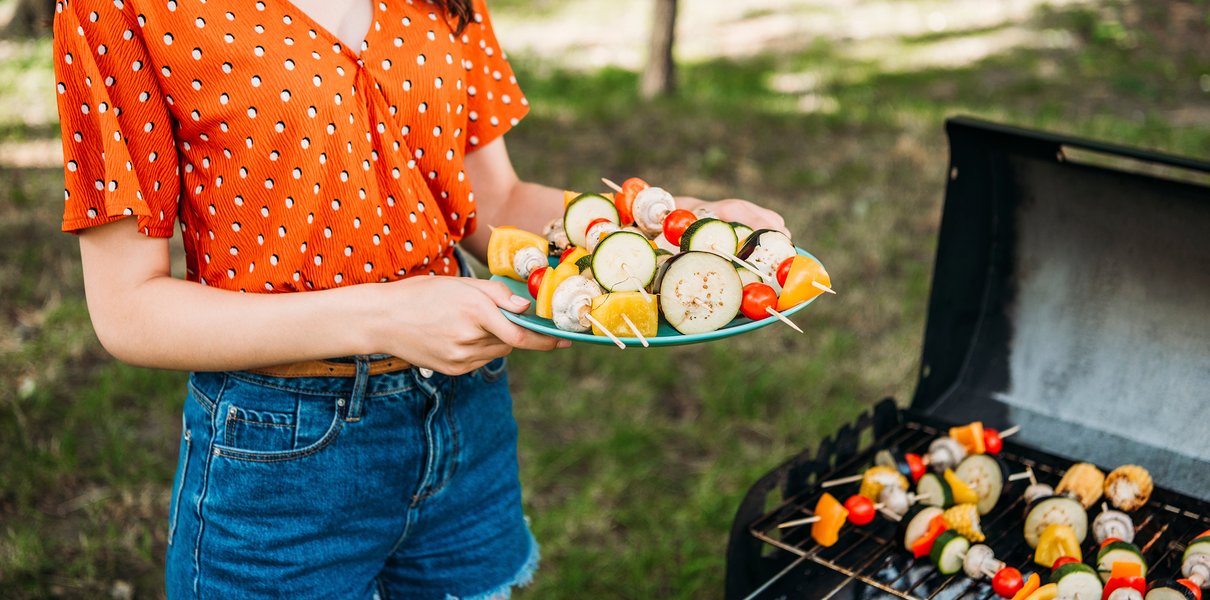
(741,233)
(746,277)
(765,249)
(937,490)
(699,292)
(949,551)
(624,262)
(582,211)
(1199,545)
(1115,552)
(916,522)
(986,475)
(709,235)
(1077,580)
(1169,589)
(1061,510)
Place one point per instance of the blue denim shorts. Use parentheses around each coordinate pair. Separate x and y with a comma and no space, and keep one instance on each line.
(387,486)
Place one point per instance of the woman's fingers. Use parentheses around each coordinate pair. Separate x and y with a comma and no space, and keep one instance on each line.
(504,330)
(499,294)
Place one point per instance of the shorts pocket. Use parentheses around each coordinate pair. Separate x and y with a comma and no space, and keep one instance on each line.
(262,423)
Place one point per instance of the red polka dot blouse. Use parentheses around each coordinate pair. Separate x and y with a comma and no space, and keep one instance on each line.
(290,161)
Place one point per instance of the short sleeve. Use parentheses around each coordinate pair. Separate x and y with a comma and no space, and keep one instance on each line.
(494,98)
(119,153)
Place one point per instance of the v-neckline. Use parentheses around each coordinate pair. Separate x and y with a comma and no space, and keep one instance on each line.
(287,5)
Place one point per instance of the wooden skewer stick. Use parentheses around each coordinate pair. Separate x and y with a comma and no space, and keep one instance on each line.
(797,522)
(1022,475)
(635,331)
(1032,480)
(842,481)
(626,270)
(613,186)
(1010,431)
(491,227)
(743,263)
(783,319)
(829,290)
(613,337)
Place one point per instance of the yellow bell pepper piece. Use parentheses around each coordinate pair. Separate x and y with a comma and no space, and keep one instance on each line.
(970,436)
(832,515)
(1047,592)
(1056,541)
(963,493)
(546,291)
(798,287)
(504,243)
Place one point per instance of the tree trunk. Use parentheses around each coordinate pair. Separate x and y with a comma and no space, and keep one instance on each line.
(31,18)
(659,78)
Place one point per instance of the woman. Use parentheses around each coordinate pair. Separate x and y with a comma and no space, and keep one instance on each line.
(328,148)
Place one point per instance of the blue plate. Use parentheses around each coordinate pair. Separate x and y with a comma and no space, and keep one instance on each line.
(665,335)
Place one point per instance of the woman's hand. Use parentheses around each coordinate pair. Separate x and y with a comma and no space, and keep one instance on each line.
(453,325)
(740,211)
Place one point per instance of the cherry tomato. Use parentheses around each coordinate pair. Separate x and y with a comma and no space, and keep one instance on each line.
(624,199)
(676,223)
(566,252)
(1197,591)
(991,441)
(861,509)
(758,297)
(1007,582)
(594,222)
(916,465)
(1109,541)
(1062,560)
(535,280)
(783,270)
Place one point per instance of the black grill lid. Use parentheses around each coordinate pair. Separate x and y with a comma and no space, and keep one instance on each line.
(1074,300)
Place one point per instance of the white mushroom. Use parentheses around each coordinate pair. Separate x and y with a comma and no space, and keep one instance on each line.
(1197,568)
(571,302)
(597,232)
(555,234)
(1125,593)
(1113,524)
(980,561)
(1038,490)
(527,260)
(894,499)
(945,453)
(650,207)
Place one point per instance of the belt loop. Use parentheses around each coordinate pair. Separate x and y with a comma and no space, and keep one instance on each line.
(359,388)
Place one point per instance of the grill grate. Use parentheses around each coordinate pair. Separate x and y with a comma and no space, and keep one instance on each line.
(871,562)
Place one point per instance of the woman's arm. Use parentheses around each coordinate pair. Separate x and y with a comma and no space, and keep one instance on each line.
(144,316)
(502,198)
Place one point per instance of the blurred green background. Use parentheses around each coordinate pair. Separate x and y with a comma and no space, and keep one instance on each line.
(829,111)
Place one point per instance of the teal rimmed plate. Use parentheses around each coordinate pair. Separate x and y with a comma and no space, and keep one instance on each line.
(665,335)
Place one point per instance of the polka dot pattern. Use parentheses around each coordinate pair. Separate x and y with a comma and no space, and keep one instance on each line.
(289,161)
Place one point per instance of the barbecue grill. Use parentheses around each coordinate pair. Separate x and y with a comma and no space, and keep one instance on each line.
(1071,297)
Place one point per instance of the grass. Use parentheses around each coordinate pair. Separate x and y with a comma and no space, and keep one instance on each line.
(633,463)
